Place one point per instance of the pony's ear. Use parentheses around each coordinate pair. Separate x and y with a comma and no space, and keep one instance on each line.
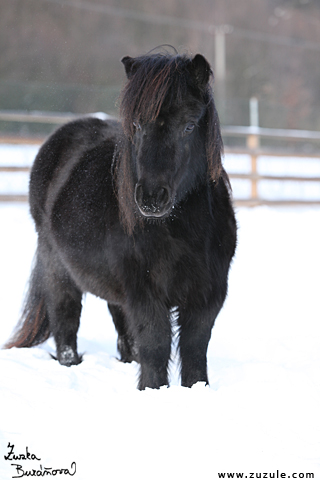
(200,70)
(129,66)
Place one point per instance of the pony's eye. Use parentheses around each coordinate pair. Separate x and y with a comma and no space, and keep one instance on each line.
(189,128)
(137,125)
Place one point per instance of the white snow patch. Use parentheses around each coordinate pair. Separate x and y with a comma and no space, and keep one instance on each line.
(260,413)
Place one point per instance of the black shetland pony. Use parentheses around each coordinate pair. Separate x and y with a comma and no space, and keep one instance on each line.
(139,214)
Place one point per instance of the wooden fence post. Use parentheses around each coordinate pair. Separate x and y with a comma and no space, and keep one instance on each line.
(252,145)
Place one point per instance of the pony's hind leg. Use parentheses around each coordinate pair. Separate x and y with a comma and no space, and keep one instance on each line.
(127,347)
(52,307)
(64,309)
(64,317)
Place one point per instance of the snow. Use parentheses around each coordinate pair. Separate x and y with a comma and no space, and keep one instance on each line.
(260,413)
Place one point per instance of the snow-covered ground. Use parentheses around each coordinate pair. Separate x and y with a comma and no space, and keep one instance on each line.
(259,415)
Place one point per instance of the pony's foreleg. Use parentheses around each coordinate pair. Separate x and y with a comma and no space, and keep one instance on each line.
(194,336)
(64,309)
(152,332)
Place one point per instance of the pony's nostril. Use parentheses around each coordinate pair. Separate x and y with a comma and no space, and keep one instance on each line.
(138,194)
(162,197)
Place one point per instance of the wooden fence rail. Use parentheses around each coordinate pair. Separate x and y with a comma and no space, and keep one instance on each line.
(253,136)
(252,201)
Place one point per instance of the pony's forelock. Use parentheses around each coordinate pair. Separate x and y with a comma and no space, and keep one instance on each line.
(156,80)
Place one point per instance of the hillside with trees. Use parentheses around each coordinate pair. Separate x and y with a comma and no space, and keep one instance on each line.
(63,55)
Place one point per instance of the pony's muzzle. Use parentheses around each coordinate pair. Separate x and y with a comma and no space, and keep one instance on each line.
(155,202)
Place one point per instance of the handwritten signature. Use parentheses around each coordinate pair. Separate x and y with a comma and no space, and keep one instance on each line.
(21,471)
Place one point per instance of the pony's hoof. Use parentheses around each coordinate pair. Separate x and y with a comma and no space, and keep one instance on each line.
(68,357)
(127,349)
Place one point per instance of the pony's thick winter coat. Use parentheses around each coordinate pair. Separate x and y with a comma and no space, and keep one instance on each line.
(139,214)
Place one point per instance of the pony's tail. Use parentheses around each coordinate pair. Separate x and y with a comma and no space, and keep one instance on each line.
(33,327)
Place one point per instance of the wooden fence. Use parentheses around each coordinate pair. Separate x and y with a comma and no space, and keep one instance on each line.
(253,137)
